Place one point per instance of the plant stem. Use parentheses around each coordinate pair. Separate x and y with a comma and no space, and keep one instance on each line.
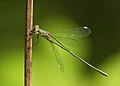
(28,44)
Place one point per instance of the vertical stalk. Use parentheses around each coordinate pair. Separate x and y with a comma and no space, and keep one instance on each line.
(28,44)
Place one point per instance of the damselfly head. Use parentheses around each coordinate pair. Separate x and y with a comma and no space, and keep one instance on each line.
(36,28)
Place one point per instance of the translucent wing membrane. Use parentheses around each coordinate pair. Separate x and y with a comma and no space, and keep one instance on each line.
(58,58)
(72,36)
(78,32)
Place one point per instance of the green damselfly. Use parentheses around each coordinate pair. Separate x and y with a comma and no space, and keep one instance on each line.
(76,32)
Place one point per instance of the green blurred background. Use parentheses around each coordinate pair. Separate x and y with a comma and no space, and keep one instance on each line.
(101,47)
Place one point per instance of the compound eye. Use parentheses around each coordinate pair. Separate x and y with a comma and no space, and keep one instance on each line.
(36,26)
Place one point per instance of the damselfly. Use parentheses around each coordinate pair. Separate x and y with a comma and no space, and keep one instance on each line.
(70,34)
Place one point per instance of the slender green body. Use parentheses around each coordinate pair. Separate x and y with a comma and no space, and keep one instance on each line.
(53,40)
